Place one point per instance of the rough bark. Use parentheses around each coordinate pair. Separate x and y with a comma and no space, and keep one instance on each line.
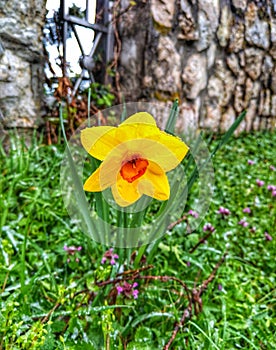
(21,62)
(217,57)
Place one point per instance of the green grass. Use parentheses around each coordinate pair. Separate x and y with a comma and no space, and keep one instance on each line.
(49,302)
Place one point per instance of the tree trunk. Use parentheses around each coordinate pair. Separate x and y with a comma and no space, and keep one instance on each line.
(217,57)
(21,62)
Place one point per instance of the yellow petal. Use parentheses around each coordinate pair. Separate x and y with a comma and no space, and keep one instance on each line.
(154,183)
(135,138)
(106,175)
(151,150)
(174,145)
(141,117)
(125,193)
(92,184)
(97,141)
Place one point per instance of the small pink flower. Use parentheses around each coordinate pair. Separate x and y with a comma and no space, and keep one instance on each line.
(250,162)
(119,289)
(193,213)
(224,211)
(135,293)
(243,223)
(109,255)
(72,250)
(208,227)
(128,290)
(267,236)
(274,193)
(247,210)
(220,287)
(272,168)
(259,182)
(271,188)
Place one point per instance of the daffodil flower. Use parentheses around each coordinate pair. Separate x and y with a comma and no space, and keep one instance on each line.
(135,158)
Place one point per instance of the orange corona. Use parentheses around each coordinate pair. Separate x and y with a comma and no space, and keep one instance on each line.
(134,169)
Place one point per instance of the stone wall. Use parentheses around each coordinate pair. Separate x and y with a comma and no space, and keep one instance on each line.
(217,57)
(21,62)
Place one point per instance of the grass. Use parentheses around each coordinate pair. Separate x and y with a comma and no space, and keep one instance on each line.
(52,298)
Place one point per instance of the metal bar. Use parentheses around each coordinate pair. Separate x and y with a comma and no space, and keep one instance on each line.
(64,34)
(87,11)
(95,44)
(78,83)
(110,34)
(78,39)
(83,23)
(91,76)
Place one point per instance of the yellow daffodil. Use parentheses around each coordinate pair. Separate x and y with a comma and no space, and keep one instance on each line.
(135,158)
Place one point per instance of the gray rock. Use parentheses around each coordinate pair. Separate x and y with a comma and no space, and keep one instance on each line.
(188,116)
(194,76)
(227,119)
(187,23)
(225,27)
(273,80)
(273,106)
(228,82)
(239,104)
(273,38)
(256,30)
(252,90)
(168,70)
(251,115)
(254,59)
(233,63)
(218,57)
(21,90)
(237,37)
(212,117)
(264,104)
(267,69)
(162,12)
(211,55)
(240,4)
(204,32)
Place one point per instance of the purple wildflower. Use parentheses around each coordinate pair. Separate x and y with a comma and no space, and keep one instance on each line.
(247,210)
(243,223)
(271,188)
(208,227)
(188,263)
(119,289)
(272,168)
(220,287)
(128,290)
(274,193)
(109,255)
(224,211)
(267,236)
(72,250)
(193,213)
(250,162)
(259,182)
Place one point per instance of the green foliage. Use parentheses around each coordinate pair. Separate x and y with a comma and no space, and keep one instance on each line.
(50,299)
(101,95)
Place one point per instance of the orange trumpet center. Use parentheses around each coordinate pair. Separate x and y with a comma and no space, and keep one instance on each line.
(133,169)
